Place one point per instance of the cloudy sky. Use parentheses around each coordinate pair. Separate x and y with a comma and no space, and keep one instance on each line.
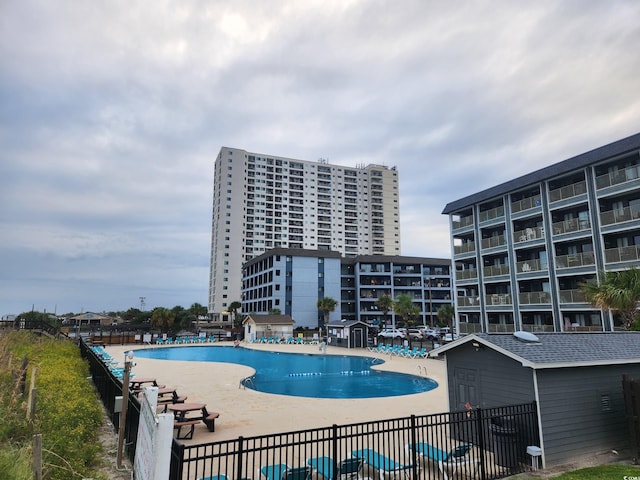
(112,113)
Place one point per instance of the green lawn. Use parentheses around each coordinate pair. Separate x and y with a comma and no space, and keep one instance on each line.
(604,472)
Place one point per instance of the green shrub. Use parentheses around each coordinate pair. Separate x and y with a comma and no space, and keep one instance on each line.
(68,414)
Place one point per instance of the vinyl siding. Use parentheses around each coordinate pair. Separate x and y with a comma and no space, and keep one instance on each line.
(573,420)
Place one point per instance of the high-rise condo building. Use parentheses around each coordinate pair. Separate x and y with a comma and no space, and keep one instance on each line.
(263,201)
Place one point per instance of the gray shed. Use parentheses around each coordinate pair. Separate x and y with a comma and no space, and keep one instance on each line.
(575,378)
(348,333)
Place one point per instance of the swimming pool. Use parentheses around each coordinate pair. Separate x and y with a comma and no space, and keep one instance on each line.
(304,375)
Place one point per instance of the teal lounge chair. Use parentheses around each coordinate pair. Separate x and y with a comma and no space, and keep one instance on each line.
(215,477)
(384,465)
(348,469)
(452,459)
(285,472)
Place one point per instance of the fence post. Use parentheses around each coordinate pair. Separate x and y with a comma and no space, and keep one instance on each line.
(334,452)
(480,430)
(37,457)
(414,456)
(240,455)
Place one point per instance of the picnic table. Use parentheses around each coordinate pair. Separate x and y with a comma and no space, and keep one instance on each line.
(184,417)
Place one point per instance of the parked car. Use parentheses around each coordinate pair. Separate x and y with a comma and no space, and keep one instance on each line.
(415,334)
(430,334)
(450,337)
(391,333)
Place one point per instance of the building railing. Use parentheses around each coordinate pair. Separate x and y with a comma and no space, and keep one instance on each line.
(498,299)
(497,439)
(468,301)
(462,222)
(530,298)
(500,328)
(568,191)
(622,254)
(496,270)
(464,248)
(575,260)
(618,177)
(492,213)
(468,327)
(572,225)
(533,265)
(619,215)
(572,296)
(533,328)
(491,242)
(525,204)
(531,233)
(466,274)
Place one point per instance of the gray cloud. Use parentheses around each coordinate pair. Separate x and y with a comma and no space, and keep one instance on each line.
(112,114)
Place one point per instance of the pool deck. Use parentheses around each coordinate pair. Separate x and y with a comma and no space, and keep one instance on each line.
(247,412)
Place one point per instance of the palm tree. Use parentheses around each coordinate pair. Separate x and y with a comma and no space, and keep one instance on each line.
(405,307)
(385,303)
(616,291)
(446,314)
(233,309)
(326,305)
(163,319)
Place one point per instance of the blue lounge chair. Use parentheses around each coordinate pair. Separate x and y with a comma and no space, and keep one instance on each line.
(384,465)
(453,459)
(285,472)
(215,477)
(348,469)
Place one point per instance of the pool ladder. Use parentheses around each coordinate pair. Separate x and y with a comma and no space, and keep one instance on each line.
(246,381)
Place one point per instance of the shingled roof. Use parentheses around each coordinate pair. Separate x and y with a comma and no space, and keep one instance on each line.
(560,350)
(270,319)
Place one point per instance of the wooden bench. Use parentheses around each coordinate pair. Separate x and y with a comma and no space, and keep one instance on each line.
(210,420)
(187,423)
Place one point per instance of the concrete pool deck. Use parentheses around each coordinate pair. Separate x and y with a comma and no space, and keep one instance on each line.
(247,412)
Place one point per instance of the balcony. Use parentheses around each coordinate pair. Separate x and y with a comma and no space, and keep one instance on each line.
(572,296)
(534,298)
(525,204)
(466,274)
(496,270)
(568,191)
(468,301)
(619,215)
(492,242)
(575,260)
(573,225)
(622,254)
(499,299)
(618,177)
(528,266)
(492,214)
(462,222)
(533,233)
(500,328)
(464,248)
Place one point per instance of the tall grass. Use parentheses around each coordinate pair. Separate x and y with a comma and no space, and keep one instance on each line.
(67,414)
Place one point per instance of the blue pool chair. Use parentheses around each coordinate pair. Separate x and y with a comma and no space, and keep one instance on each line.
(348,469)
(285,472)
(215,477)
(384,465)
(445,460)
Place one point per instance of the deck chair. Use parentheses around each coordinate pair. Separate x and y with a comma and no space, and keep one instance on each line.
(384,465)
(285,472)
(453,459)
(348,469)
(220,476)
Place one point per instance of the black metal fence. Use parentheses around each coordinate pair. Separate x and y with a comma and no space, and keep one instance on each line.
(109,387)
(480,443)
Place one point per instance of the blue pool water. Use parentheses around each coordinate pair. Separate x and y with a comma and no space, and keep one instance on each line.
(303,375)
